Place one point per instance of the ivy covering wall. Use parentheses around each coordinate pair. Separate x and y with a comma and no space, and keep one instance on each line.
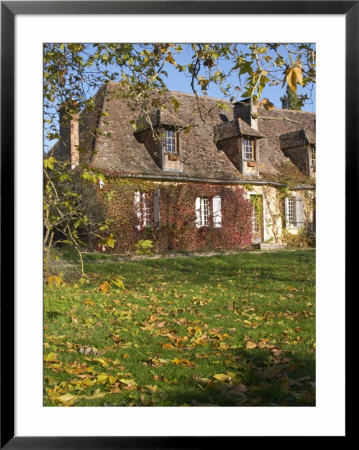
(177,229)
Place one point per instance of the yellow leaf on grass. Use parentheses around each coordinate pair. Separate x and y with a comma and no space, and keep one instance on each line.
(291,288)
(105,286)
(54,279)
(182,362)
(67,399)
(251,345)
(151,389)
(50,357)
(222,377)
(102,378)
(119,283)
(167,345)
(88,302)
(96,394)
(101,361)
(127,382)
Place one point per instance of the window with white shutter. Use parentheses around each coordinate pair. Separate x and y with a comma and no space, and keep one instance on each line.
(217,211)
(294,212)
(144,209)
(137,205)
(198,212)
(208,212)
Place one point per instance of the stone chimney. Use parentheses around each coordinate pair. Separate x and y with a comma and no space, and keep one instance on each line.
(70,134)
(246,111)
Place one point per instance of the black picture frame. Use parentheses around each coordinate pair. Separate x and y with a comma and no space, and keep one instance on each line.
(9,10)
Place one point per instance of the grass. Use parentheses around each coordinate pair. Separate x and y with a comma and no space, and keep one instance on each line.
(222,330)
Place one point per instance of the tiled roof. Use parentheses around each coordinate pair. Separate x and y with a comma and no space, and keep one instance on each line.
(123,153)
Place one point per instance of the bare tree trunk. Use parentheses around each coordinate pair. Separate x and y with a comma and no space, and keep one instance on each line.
(50,242)
(46,237)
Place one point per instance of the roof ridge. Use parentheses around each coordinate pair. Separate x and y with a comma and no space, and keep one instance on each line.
(189,94)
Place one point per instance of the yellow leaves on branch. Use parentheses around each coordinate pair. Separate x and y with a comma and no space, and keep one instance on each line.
(293,76)
(170,59)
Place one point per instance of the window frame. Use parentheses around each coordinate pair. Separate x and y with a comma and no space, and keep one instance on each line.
(205,214)
(172,138)
(253,147)
(290,213)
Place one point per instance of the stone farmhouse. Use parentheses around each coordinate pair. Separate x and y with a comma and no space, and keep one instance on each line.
(197,173)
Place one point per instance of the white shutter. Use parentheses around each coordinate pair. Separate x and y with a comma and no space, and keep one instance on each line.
(156,207)
(137,205)
(198,212)
(217,211)
(298,212)
(286,212)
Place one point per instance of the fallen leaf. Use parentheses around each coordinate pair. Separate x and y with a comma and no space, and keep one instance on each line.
(50,357)
(238,390)
(250,345)
(222,377)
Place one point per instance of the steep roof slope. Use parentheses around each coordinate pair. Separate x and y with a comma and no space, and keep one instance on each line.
(124,154)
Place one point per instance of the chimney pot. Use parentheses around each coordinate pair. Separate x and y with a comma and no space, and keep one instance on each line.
(247,111)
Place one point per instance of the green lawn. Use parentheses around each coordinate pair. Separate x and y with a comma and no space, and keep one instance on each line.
(230,330)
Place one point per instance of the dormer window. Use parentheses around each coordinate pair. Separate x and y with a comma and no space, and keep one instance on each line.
(239,142)
(299,146)
(249,152)
(169,142)
(171,150)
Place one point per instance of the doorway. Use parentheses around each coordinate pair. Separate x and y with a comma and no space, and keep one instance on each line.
(257,218)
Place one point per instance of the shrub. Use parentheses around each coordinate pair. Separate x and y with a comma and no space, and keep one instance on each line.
(143,247)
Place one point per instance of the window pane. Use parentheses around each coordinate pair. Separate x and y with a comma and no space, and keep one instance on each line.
(170,141)
(204,212)
(146,210)
(248,149)
(290,211)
